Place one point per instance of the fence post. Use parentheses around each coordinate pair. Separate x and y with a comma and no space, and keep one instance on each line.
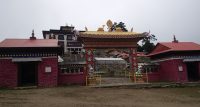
(86,82)
(135,79)
(147,77)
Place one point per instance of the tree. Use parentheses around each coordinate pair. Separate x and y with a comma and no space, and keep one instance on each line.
(147,43)
(120,25)
(139,48)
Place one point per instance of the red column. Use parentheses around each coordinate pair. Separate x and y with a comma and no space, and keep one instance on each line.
(89,55)
(133,60)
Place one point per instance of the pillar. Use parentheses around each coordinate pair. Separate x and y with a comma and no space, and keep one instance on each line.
(65,43)
(89,55)
(133,59)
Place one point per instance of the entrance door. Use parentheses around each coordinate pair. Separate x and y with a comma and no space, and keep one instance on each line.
(27,75)
(192,71)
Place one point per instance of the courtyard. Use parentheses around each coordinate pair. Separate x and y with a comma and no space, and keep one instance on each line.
(80,96)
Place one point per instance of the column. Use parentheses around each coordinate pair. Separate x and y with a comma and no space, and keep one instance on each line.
(133,59)
(89,55)
(65,43)
(47,36)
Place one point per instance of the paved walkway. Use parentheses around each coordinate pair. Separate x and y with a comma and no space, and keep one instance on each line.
(148,85)
(115,80)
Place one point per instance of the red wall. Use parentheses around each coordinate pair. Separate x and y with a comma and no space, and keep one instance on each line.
(154,76)
(169,71)
(48,79)
(8,73)
(67,79)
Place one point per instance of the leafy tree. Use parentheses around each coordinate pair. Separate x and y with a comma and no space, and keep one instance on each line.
(120,25)
(147,43)
(139,48)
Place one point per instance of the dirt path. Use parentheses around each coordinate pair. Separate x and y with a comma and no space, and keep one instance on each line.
(100,97)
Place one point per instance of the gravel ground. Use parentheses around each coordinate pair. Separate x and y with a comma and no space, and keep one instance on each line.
(77,96)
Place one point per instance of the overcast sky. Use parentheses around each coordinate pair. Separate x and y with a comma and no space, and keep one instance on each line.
(164,18)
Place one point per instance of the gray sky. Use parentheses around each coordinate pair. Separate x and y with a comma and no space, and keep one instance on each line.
(164,18)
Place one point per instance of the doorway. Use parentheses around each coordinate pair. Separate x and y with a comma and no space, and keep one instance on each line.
(27,74)
(192,71)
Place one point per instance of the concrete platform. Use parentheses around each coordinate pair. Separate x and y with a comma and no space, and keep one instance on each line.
(148,85)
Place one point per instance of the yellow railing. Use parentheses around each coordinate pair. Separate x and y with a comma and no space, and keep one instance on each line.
(138,78)
(93,80)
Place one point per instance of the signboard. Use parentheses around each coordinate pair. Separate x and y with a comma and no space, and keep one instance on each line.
(180,68)
(47,69)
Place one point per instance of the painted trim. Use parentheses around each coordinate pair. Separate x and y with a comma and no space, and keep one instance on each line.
(177,57)
(26,59)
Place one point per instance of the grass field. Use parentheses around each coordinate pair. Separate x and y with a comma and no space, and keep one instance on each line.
(78,96)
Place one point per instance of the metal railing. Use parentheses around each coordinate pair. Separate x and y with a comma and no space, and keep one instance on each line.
(139,78)
(93,80)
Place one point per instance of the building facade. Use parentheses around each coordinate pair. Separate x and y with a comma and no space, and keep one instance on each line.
(79,49)
(71,69)
(176,61)
(27,62)
(67,38)
(34,62)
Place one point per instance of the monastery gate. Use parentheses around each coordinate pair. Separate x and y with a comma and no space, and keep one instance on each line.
(104,40)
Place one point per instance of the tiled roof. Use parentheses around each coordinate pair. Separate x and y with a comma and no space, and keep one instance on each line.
(181,46)
(29,43)
(102,34)
(171,46)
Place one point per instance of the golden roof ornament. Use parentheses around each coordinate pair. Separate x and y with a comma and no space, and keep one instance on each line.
(118,29)
(109,24)
(100,29)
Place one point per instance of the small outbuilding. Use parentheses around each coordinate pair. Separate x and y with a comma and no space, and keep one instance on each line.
(29,62)
(177,61)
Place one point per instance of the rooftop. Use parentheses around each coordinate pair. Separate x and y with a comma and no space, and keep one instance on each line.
(181,46)
(29,43)
(164,47)
(103,34)
(116,32)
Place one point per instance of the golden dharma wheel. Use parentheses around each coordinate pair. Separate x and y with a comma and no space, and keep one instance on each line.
(109,23)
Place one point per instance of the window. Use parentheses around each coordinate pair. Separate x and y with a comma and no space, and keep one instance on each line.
(72,70)
(74,50)
(52,36)
(69,37)
(60,37)
(149,68)
(73,44)
(61,43)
